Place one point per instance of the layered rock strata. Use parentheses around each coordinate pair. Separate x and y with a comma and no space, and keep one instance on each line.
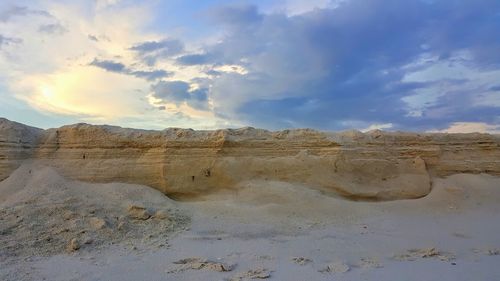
(188,164)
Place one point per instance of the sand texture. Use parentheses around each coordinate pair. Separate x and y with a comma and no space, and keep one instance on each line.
(58,229)
(85,202)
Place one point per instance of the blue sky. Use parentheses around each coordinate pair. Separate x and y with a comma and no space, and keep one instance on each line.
(415,65)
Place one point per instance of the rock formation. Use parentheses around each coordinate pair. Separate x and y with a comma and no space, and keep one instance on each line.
(186,164)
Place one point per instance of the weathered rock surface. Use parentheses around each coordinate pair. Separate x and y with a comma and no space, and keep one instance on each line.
(198,263)
(184,163)
(17,143)
(138,212)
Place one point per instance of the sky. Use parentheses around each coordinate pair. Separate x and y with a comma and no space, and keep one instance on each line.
(413,65)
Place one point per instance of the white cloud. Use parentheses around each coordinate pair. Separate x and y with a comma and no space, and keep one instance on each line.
(51,74)
(470,127)
(490,98)
(102,4)
(297,7)
(457,74)
(377,127)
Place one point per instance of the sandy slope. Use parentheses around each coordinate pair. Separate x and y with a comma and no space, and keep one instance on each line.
(40,212)
(264,229)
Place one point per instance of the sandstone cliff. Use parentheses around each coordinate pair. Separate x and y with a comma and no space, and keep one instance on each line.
(184,163)
(17,143)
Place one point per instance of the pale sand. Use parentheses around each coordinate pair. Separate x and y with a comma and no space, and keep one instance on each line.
(269,230)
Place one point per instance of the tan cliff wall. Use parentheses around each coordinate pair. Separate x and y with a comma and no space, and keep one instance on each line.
(17,143)
(186,163)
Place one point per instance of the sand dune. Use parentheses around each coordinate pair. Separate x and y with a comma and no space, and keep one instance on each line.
(42,212)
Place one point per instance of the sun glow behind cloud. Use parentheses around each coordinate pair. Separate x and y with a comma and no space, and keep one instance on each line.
(87,92)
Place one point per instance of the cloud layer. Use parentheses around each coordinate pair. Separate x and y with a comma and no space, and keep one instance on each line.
(359,63)
(365,64)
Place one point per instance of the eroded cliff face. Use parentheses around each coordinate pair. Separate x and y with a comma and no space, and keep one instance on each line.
(190,164)
(17,143)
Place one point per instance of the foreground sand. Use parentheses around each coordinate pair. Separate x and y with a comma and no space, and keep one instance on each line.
(265,229)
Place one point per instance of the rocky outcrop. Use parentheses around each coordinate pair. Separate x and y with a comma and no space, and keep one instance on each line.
(184,163)
(17,143)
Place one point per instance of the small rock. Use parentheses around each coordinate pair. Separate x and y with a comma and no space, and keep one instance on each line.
(301,260)
(425,253)
(138,212)
(73,245)
(88,241)
(336,267)
(97,223)
(493,252)
(69,215)
(200,263)
(370,263)
(259,273)
(161,215)
(121,225)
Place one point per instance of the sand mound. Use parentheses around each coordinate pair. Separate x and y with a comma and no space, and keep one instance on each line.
(42,213)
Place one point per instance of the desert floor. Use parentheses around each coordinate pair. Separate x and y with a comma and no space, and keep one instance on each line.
(265,230)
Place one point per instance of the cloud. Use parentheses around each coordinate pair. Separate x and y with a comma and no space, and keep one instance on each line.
(169,46)
(53,77)
(352,62)
(235,15)
(54,28)
(193,59)
(108,65)
(118,67)
(151,75)
(151,51)
(9,41)
(14,11)
(297,7)
(100,38)
(93,38)
(179,92)
(102,4)
(415,64)
(377,127)
(470,127)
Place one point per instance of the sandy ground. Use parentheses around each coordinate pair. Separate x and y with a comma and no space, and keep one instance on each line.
(267,230)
